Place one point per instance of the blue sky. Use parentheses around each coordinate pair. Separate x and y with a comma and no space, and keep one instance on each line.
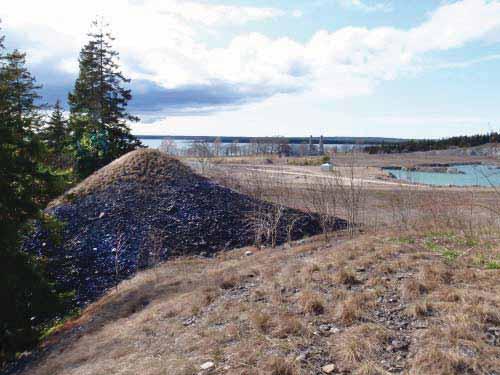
(396,68)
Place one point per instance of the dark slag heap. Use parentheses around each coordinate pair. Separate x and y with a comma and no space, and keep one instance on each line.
(143,201)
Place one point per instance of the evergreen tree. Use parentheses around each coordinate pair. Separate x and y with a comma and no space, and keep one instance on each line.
(56,131)
(98,105)
(57,137)
(25,185)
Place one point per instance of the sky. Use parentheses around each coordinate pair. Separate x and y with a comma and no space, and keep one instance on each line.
(391,68)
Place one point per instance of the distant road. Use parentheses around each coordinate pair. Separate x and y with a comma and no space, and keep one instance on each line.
(346,180)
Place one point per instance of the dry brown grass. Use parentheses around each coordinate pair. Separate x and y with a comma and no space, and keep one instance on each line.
(256,314)
(412,289)
(360,345)
(312,303)
(346,276)
(354,307)
(278,366)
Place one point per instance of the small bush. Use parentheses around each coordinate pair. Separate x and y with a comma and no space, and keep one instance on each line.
(325,159)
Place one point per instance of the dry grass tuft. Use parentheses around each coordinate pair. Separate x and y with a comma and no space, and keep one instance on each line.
(289,325)
(346,276)
(435,275)
(312,303)
(261,321)
(412,289)
(229,282)
(420,309)
(370,368)
(358,345)
(439,361)
(354,307)
(280,366)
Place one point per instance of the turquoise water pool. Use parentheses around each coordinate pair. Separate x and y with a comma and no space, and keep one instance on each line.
(473,175)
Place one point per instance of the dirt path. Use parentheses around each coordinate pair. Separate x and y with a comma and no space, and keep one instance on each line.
(345,180)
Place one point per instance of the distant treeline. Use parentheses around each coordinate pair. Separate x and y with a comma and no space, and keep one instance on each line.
(434,144)
(290,140)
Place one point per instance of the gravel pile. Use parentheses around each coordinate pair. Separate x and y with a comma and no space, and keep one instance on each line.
(144,207)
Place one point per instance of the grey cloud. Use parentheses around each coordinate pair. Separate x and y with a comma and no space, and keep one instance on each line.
(152,100)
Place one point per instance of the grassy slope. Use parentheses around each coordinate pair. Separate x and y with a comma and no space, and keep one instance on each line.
(418,304)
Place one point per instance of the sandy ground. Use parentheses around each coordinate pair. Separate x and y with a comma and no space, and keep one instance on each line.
(381,198)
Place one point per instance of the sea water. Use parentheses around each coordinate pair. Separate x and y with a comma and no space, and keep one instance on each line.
(471,175)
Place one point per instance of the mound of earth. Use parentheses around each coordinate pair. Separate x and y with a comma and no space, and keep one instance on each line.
(145,207)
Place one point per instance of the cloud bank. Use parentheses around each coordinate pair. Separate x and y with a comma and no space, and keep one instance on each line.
(175,70)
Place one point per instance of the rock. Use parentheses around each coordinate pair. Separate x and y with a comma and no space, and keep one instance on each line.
(207,365)
(420,325)
(301,357)
(325,327)
(328,369)
(248,253)
(189,321)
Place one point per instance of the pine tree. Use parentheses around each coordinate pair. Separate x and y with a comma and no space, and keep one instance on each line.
(56,131)
(57,137)
(25,185)
(98,105)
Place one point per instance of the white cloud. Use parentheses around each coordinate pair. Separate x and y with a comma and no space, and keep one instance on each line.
(161,41)
(211,15)
(463,64)
(364,6)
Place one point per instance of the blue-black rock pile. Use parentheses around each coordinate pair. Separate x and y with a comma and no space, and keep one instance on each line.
(147,206)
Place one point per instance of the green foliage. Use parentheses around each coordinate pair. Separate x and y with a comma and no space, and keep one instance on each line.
(26,185)
(403,240)
(325,159)
(98,106)
(450,255)
(57,137)
(493,265)
(56,131)
(28,301)
(309,161)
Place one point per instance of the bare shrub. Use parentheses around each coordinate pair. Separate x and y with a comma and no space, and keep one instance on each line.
(351,194)
(117,251)
(321,198)
(266,219)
